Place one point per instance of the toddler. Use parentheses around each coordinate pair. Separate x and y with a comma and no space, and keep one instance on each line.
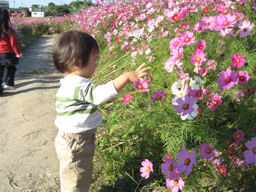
(75,54)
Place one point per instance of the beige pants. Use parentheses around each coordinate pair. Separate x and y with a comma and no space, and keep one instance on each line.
(75,153)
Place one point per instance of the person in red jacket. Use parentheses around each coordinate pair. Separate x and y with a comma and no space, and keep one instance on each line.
(9,51)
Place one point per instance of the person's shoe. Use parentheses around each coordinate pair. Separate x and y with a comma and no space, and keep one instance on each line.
(7,87)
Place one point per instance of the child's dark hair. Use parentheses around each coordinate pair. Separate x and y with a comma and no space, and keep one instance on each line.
(73,47)
(5,24)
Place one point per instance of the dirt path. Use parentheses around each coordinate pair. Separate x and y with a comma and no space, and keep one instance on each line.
(27,156)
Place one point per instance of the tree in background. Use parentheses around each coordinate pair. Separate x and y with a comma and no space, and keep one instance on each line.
(51,4)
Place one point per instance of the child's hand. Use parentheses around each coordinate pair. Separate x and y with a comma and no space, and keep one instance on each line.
(131,76)
(140,72)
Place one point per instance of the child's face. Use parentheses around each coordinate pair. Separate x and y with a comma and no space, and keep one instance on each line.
(89,69)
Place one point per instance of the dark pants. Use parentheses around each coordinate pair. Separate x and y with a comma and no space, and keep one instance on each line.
(8,61)
(10,74)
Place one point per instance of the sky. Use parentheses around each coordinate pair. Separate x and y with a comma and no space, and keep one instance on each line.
(28,3)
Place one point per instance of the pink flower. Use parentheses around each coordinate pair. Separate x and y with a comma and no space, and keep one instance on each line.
(226,21)
(211,64)
(127,99)
(238,60)
(186,161)
(175,43)
(246,28)
(158,95)
(188,38)
(184,25)
(149,78)
(168,168)
(200,46)
(250,91)
(250,154)
(198,57)
(141,85)
(203,71)
(175,184)
(146,169)
(243,77)
(238,136)
(227,79)
(215,102)
(206,151)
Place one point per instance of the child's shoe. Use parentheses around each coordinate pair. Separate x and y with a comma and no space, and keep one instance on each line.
(7,87)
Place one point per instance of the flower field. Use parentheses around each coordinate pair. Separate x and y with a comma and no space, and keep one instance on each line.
(188,126)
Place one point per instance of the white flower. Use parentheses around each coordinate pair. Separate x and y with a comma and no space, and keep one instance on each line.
(134,54)
(196,83)
(179,88)
(148,51)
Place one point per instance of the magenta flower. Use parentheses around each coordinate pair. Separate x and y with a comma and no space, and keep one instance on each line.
(186,161)
(227,79)
(175,43)
(158,95)
(185,105)
(141,85)
(206,151)
(238,60)
(203,71)
(198,57)
(250,154)
(238,136)
(168,168)
(215,102)
(175,184)
(146,169)
(243,77)
(127,99)
(200,46)
(222,170)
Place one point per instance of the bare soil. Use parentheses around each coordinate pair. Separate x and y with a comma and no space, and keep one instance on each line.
(28,160)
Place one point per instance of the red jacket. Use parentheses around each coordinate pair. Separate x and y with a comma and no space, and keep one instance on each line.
(9,44)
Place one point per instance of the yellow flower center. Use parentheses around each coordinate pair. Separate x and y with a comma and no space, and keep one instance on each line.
(198,59)
(170,168)
(181,94)
(187,161)
(201,47)
(199,28)
(222,170)
(176,44)
(238,136)
(207,23)
(241,78)
(148,169)
(185,106)
(208,150)
(177,56)
(237,60)
(184,26)
(245,29)
(254,150)
(221,10)
(228,80)
(139,86)
(187,39)
(225,23)
(128,99)
(158,97)
(215,102)
(175,181)
(197,83)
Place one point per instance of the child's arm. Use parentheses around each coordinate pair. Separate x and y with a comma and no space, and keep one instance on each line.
(131,76)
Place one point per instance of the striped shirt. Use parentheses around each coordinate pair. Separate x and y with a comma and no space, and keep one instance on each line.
(76,103)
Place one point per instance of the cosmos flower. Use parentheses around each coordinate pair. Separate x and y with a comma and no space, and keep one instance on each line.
(238,136)
(158,95)
(227,79)
(186,161)
(146,169)
(206,151)
(141,85)
(127,99)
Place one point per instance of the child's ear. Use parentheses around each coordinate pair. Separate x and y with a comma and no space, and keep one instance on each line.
(76,63)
